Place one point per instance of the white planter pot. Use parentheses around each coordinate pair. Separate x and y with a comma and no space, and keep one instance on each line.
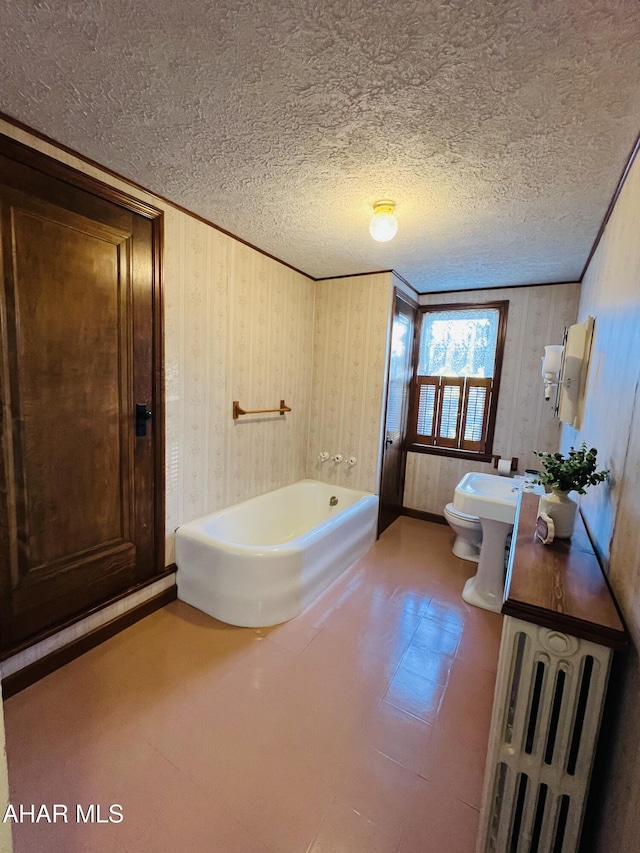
(562,510)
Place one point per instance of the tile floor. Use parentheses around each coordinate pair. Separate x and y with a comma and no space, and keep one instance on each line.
(359,727)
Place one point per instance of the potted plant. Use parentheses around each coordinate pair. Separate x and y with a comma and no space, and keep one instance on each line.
(564,474)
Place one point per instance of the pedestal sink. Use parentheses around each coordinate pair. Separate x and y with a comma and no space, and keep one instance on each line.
(493,499)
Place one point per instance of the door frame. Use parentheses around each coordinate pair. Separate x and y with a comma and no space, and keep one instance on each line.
(51,167)
(398,295)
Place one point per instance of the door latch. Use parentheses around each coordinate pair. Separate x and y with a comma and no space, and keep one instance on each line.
(142,416)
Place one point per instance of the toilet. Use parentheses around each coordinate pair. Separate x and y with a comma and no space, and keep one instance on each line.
(468,530)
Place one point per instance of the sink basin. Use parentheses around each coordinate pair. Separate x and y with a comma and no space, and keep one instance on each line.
(487,496)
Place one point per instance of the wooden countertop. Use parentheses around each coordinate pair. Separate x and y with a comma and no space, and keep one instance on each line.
(560,585)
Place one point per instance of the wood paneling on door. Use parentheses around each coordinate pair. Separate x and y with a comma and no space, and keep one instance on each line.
(77,486)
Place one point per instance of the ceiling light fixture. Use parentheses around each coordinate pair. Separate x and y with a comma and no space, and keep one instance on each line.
(383,225)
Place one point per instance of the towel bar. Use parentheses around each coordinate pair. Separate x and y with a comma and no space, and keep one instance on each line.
(237,410)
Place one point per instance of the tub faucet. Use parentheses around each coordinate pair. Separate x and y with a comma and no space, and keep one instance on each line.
(333,500)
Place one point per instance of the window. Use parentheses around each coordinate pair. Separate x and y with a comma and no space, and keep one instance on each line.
(454,393)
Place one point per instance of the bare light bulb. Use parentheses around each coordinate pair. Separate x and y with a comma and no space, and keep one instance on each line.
(383,225)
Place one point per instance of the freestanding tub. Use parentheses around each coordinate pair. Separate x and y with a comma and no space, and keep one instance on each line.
(262,561)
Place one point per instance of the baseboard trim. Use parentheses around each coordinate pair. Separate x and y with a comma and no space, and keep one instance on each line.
(425,516)
(78,617)
(28,675)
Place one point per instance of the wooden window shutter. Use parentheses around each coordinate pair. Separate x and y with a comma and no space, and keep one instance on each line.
(424,418)
(449,411)
(475,418)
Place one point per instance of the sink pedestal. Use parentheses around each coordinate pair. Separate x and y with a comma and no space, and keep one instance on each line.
(486,588)
(493,499)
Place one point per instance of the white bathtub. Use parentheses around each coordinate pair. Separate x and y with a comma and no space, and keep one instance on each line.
(262,561)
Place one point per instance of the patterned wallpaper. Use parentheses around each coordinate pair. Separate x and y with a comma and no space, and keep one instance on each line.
(349,375)
(537,316)
(238,326)
(611,294)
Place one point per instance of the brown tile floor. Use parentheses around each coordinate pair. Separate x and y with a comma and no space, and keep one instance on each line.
(359,727)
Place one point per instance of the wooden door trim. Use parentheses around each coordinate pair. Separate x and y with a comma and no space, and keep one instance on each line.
(399,295)
(61,171)
(52,168)
(158,379)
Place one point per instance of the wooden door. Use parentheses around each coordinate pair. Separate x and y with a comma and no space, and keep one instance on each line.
(78,487)
(393,454)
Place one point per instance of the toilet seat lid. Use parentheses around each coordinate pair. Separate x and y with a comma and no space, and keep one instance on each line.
(463,515)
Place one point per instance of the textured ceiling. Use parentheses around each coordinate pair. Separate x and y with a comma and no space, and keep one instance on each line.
(500,128)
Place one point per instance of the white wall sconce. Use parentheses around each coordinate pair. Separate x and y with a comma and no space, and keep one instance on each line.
(551,367)
(383,225)
(575,366)
(564,371)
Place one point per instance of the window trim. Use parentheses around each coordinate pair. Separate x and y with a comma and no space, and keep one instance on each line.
(413,445)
